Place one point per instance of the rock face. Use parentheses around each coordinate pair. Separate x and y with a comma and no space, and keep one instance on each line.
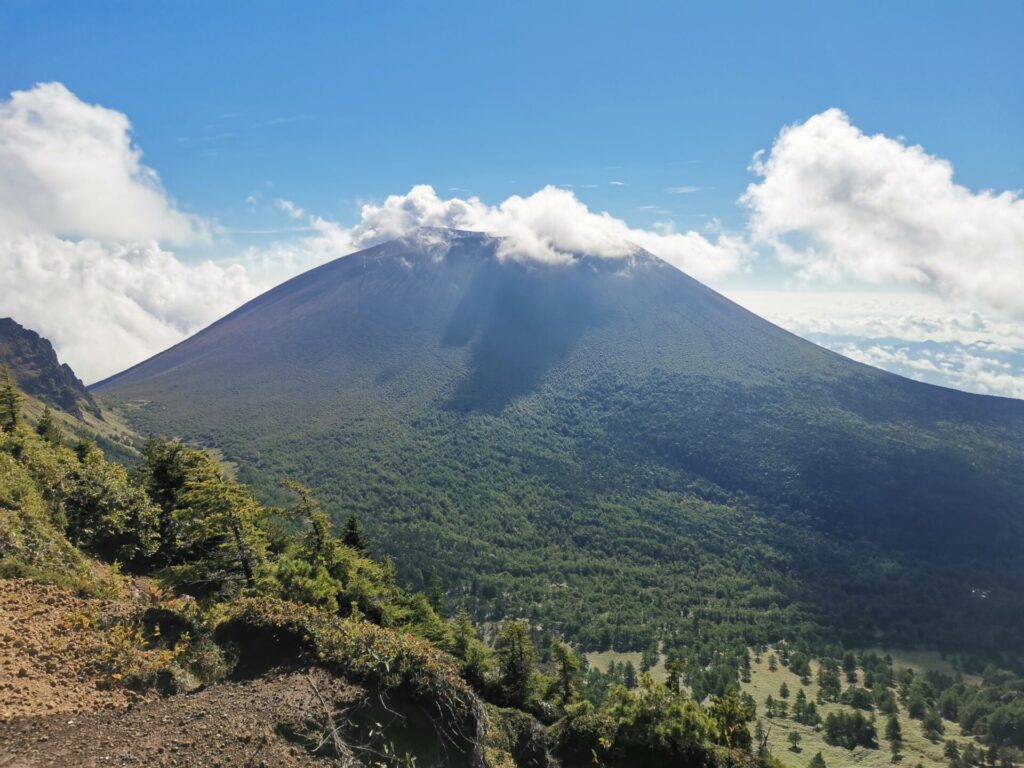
(38,372)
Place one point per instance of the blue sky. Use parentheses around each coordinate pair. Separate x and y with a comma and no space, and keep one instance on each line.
(652,112)
(336,102)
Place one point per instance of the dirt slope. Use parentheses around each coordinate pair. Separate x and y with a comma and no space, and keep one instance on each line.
(48,652)
(253,723)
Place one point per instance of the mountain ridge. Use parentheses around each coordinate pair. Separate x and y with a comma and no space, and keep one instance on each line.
(37,370)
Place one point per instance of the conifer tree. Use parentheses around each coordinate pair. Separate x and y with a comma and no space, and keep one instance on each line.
(10,401)
(48,428)
(353,535)
(436,594)
(675,673)
(817,762)
(629,675)
(794,741)
(517,657)
(567,665)
(894,735)
(219,531)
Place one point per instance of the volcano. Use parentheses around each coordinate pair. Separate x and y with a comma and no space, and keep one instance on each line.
(609,447)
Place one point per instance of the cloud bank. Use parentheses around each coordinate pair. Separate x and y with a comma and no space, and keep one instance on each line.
(835,203)
(108,306)
(81,222)
(916,335)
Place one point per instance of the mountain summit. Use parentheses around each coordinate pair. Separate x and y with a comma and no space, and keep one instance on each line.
(606,445)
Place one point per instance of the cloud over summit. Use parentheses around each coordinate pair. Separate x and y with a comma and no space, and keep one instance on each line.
(549,226)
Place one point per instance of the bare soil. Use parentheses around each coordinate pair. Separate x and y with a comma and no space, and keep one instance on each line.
(260,723)
(47,653)
(58,709)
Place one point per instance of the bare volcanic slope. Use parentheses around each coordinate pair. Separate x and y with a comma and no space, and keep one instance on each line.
(608,445)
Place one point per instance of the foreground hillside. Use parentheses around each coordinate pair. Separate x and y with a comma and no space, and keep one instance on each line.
(613,451)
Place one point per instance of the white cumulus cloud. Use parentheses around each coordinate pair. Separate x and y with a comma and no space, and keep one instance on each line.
(836,203)
(70,168)
(81,222)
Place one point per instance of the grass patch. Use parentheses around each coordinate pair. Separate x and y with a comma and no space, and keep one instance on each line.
(916,748)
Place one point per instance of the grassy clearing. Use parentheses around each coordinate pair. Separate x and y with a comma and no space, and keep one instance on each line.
(916,748)
(922,661)
(600,660)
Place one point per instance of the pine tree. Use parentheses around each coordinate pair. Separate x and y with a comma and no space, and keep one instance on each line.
(470,649)
(800,706)
(931,725)
(436,594)
(10,401)
(850,667)
(817,762)
(517,657)
(952,753)
(218,529)
(674,677)
(629,675)
(894,735)
(794,741)
(48,428)
(567,664)
(354,536)
(731,713)
(309,509)
(784,691)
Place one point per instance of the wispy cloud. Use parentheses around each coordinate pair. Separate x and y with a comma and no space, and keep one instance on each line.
(683,190)
(287,119)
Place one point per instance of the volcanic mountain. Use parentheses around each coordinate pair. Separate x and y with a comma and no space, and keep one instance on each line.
(609,447)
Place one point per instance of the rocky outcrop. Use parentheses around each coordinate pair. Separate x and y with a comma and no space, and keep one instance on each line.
(38,372)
